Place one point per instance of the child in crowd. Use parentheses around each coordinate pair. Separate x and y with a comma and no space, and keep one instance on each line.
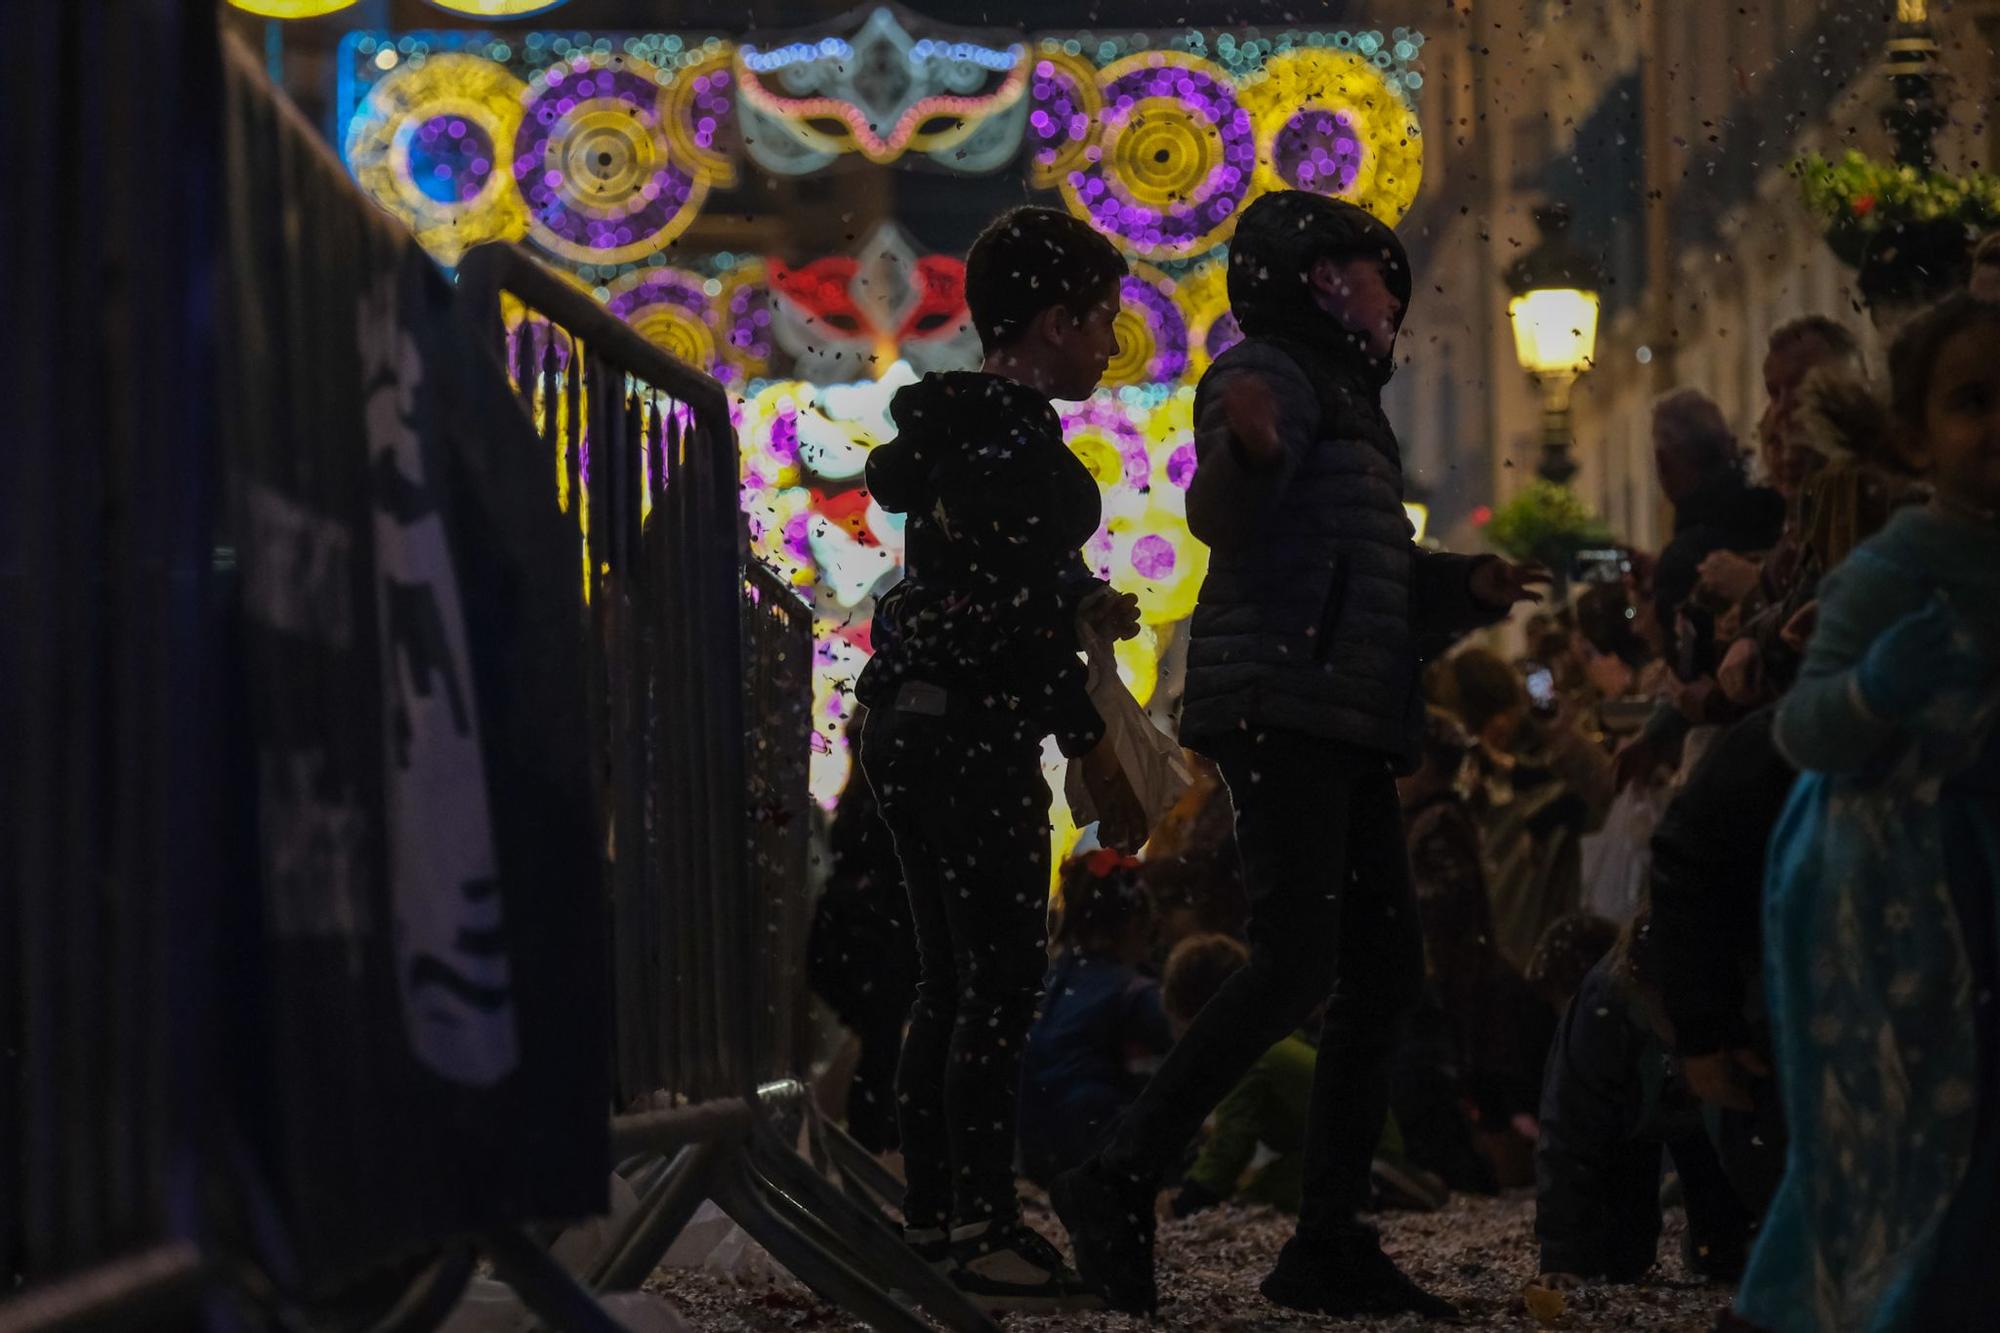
(1316,612)
(1267,1108)
(1568,949)
(1490,1029)
(1611,1101)
(1101,1028)
(1531,821)
(1255,1149)
(976,663)
(1879,917)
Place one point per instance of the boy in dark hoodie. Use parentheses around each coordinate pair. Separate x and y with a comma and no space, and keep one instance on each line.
(1302,684)
(976,662)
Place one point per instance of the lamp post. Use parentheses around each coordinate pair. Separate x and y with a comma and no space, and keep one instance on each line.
(1554,314)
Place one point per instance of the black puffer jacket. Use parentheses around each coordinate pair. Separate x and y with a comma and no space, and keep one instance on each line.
(1318,607)
(998,510)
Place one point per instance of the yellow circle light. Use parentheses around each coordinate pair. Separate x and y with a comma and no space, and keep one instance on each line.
(291,9)
(433,144)
(497,9)
(1162,152)
(1331,122)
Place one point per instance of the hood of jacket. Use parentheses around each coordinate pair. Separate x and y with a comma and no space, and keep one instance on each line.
(935,419)
(1277,241)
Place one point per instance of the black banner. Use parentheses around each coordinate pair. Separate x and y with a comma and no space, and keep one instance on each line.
(423,1018)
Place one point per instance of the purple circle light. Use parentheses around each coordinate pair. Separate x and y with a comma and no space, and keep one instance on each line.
(1153,557)
(1169,328)
(1318,150)
(451,159)
(588,197)
(1183,226)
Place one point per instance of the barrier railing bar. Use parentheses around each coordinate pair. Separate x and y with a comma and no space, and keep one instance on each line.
(148,1287)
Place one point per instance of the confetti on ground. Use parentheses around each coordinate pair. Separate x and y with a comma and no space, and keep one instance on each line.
(1479,1253)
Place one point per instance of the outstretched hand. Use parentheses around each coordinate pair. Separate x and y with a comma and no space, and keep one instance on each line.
(1112,613)
(1502,584)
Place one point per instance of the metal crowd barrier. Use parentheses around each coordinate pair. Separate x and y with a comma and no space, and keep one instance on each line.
(151,1159)
(700,671)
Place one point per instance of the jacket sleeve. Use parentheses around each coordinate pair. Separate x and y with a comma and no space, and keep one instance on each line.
(1444,607)
(1823,724)
(1231,496)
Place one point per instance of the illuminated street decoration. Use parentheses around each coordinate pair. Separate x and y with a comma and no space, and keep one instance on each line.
(617,142)
(1330,121)
(803,449)
(881,93)
(593,164)
(698,108)
(498,9)
(844,316)
(671,309)
(432,145)
(1173,159)
(1063,125)
(1203,294)
(1152,332)
(1158,144)
(291,9)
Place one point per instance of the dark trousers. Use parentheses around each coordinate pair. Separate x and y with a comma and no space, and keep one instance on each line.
(967,805)
(1331,914)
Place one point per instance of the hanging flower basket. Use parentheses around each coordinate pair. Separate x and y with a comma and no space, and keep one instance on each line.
(1865,204)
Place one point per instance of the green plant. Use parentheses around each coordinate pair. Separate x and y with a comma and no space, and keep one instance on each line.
(1855,196)
(1546,522)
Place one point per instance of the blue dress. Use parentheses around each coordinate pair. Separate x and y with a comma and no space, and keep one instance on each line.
(1880,941)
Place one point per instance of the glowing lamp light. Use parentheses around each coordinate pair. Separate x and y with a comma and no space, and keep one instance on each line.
(1554,314)
(1555,330)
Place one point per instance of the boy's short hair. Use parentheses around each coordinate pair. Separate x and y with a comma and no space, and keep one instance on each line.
(1568,949)
(1484,688)
(1196,970)
(1030,259)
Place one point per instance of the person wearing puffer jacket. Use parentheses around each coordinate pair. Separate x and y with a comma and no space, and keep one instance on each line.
(1302,684)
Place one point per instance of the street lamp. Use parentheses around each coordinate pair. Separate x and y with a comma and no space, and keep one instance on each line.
(1554,313)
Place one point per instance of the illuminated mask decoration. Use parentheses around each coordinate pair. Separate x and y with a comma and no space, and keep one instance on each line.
(845,317)
(881,94)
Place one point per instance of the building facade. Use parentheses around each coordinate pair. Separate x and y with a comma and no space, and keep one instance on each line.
(1674,162)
